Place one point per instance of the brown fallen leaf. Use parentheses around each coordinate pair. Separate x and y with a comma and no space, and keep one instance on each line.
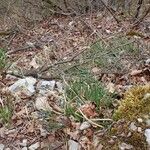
(89,110)
(89,133)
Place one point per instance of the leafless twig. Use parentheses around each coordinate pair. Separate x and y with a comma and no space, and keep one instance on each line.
(140,20)
(138,8)
(36,73)
(89,120)
(110,11)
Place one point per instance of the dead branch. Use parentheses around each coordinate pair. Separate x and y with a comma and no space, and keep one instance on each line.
(141,19)
(110,11)
(25,48)
(43,69)
(36,73)
(138,9)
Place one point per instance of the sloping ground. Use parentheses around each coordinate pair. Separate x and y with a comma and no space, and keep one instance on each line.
(63,49)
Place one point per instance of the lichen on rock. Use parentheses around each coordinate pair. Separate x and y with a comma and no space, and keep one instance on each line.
(136,103)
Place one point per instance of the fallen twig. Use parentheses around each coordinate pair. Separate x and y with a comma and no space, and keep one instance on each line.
(89,120)
(140,20)
(110,11)
(25,48)
(104,119)
(36,72)
(138,8)
(43,69)
(35,76)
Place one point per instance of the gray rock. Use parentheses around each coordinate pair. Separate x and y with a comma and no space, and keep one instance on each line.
(124,146)
(133,127)
(85,125)
(24,143)
(24,148)
(41,103)
(147,62)
(45,86)
(24,85)
(73,145)
(34,146)
(147,135)
(2,146)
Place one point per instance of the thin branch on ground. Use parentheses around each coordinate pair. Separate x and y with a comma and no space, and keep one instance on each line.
(43,69)
(36,73)
(25,48)
(141,19)
(104,119)
(89,120)
(138,9)
(110,11)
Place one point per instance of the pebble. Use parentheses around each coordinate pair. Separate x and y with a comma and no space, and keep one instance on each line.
(73,145)
(43,132)
(124,146)
(140,120)
(139,129)
(147,62)
(24,148)
(133,127)
(24,143)
(24,85)
(2,146)
(41,103)
(147,135)
(34,146)
(44,86)
(85,125)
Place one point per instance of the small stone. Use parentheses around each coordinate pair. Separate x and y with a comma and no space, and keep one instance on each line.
(147,135)
(129,134)
(140,120)
(2,146)
(147,96)
(34,146)
(41,103)
(24,148)
(147,62)
(139,129)
(24,143)
(85,125)
(43,132)
(59,86)
(147,122)
(25,86)
(133,127)
(73,145)
(45,86)
(124,146)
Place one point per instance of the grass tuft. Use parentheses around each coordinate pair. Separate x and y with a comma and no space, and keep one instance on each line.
(5,114)
(85,89)
(2,58)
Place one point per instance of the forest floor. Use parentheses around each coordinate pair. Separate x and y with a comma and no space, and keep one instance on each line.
(63,81)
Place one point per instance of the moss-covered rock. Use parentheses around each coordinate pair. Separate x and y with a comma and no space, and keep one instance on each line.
(136,103)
